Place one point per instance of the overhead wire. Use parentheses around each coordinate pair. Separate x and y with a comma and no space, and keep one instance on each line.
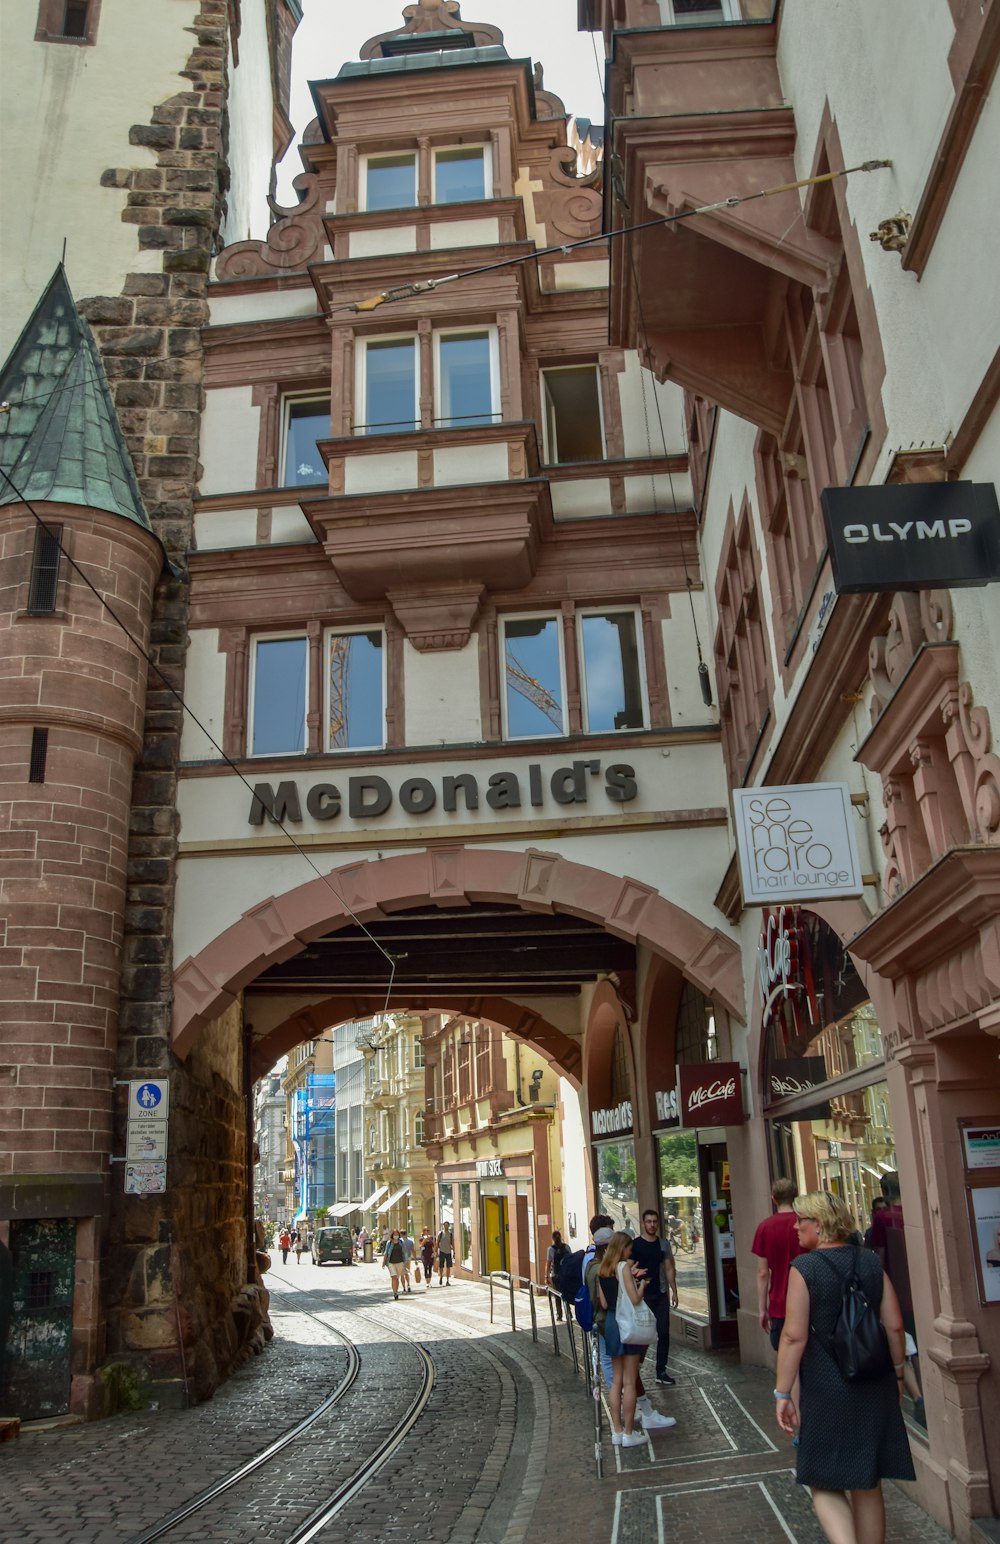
(54,536)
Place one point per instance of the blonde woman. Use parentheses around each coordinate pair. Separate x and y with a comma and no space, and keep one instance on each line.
(851,1435)
(614,1277)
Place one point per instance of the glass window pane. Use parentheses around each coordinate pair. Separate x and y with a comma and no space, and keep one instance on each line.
(533,678)
(279,696)
(308,422)
(391,386)
(459,175)
(611,670)
(357,714)
(466,392)
(573,414)
(391,182)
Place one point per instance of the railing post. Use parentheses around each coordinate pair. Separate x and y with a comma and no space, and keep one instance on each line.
(570,1330)
(531,1305)
(513,1314)
(491,1297)
(552,1315)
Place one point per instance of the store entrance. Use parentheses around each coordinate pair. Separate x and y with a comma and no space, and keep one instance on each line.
(496,1230)
(698,1220)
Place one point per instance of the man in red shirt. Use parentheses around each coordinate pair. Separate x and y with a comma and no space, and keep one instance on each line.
(775,1244)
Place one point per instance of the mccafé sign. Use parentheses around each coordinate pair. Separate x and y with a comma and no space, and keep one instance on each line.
(368,796)
(711,1093)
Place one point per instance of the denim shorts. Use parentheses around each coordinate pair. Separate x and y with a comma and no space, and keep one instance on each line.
(613,1340)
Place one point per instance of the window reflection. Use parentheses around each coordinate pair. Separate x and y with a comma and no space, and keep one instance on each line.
(533,677)
(308,422)
(279,696)
(356,705)
(465,386)
(459,175)
(612,673)
(391,182)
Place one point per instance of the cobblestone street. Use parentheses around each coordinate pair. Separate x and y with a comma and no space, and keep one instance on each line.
(502,1453)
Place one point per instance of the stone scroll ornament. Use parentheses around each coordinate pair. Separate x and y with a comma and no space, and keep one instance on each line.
(968,771)
(568,204)
(435,16)
(292,243)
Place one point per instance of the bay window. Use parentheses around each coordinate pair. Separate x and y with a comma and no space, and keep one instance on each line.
(460,174)
(466,378)
(390,181)
(466,382)
(389,394)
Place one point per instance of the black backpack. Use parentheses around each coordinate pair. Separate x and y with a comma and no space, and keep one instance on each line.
(858,1343)
(570,1276)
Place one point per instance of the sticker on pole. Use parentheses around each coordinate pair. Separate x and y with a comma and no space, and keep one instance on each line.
(145,1179)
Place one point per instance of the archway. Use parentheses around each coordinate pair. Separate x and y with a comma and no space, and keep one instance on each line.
(279,927)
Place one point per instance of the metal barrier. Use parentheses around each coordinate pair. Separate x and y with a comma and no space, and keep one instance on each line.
(586,1353)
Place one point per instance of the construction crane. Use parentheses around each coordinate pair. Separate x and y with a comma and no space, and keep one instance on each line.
(340,659)
(526,686)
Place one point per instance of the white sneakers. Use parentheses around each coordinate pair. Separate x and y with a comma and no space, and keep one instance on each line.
(652,1420)
(633,1439)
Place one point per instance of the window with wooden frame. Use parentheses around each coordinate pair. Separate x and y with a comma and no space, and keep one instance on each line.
(743,669)
(464,1069)
(484,1066)
(67,21)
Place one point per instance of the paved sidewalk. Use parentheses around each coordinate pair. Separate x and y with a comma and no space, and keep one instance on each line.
(503,1455)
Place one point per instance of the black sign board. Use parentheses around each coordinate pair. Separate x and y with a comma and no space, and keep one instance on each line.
(912,536)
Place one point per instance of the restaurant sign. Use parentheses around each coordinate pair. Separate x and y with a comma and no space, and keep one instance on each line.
(796,843)
(711,1093)
(912,536)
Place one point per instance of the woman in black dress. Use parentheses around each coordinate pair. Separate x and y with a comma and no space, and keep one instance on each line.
(851,1435)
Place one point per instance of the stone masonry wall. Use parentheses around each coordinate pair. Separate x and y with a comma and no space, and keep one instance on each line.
(188,1244)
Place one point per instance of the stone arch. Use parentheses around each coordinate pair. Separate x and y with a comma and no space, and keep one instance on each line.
(280,926)
(559,1049)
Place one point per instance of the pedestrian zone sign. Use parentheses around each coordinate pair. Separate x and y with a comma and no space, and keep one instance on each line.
(146,1137)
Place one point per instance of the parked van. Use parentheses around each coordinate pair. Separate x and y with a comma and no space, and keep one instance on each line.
(333,1244)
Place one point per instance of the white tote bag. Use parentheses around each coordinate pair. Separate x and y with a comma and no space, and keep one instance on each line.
(636,1324)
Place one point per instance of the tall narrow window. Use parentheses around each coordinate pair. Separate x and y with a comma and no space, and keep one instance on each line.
(612,671)
(460,175)
(67,21)
(307,421)
(44,585)
(75,19)
(390,389)
(356,691)
(39,753)
(571,400)
(533,677)
(391,182)
(278,701)
(465,379)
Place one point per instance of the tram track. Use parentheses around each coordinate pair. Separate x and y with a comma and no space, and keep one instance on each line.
(326,1511)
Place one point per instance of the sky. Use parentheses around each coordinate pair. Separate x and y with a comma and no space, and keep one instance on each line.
(333,31)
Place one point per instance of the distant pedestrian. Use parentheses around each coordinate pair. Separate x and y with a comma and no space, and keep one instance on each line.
(300,1245)
(363,1238)
(655,1256)
(555,1255)
(394,1260)
(284,1244)
(426,1248)
(409,1250)
(776,1244)
(445,1254)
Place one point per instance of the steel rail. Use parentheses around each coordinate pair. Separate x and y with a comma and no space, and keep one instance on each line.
(219,1487)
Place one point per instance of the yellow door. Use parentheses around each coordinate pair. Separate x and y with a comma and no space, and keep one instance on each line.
(495,1231)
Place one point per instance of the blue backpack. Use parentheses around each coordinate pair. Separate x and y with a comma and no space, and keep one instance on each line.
(584,1309)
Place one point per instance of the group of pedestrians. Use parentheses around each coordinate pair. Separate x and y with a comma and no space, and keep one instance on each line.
(401,1257)
(294,1239)
(849,1431)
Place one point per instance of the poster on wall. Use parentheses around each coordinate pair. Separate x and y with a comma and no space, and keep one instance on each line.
(982,1147)
(985,1208)
(796,843)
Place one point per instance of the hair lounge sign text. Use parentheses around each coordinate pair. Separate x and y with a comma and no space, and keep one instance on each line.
(369,796)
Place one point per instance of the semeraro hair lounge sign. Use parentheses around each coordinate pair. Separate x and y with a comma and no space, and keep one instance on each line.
(796,843)
(912,536)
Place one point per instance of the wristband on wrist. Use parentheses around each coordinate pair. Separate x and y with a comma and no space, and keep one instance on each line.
(778,1395)
(897,1367)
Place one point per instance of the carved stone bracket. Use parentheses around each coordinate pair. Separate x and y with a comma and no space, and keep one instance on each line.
(441,619)
(294,241)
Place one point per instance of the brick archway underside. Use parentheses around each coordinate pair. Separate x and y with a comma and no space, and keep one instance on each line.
(208,983)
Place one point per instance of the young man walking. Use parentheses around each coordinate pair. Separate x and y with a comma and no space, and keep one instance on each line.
(446,1254)
(775,1244)
(654,1255)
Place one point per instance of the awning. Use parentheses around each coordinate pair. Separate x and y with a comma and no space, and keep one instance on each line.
(343,1207)
(374,1197)
(397,1196)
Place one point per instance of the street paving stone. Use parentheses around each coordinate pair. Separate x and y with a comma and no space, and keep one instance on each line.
(504,1452)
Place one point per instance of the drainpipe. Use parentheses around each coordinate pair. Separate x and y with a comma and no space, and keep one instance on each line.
(517,1071)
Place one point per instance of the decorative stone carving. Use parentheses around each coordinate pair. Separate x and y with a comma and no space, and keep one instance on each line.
(440,619)
(434,16)
(913,620)
(569,205)
(893,234)
(294,241)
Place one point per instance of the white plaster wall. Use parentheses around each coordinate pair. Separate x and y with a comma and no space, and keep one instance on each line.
(643,494)
(644,402)
(573,1146)
(221,528)
(582,276)
(375,473)
(251,144)
(455,464)
(205,695)
(581,498)
(394,238)
(442,696)
(52,167)
(230,432)
(290,524)
(680,650)
(465,233)
(268,303)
